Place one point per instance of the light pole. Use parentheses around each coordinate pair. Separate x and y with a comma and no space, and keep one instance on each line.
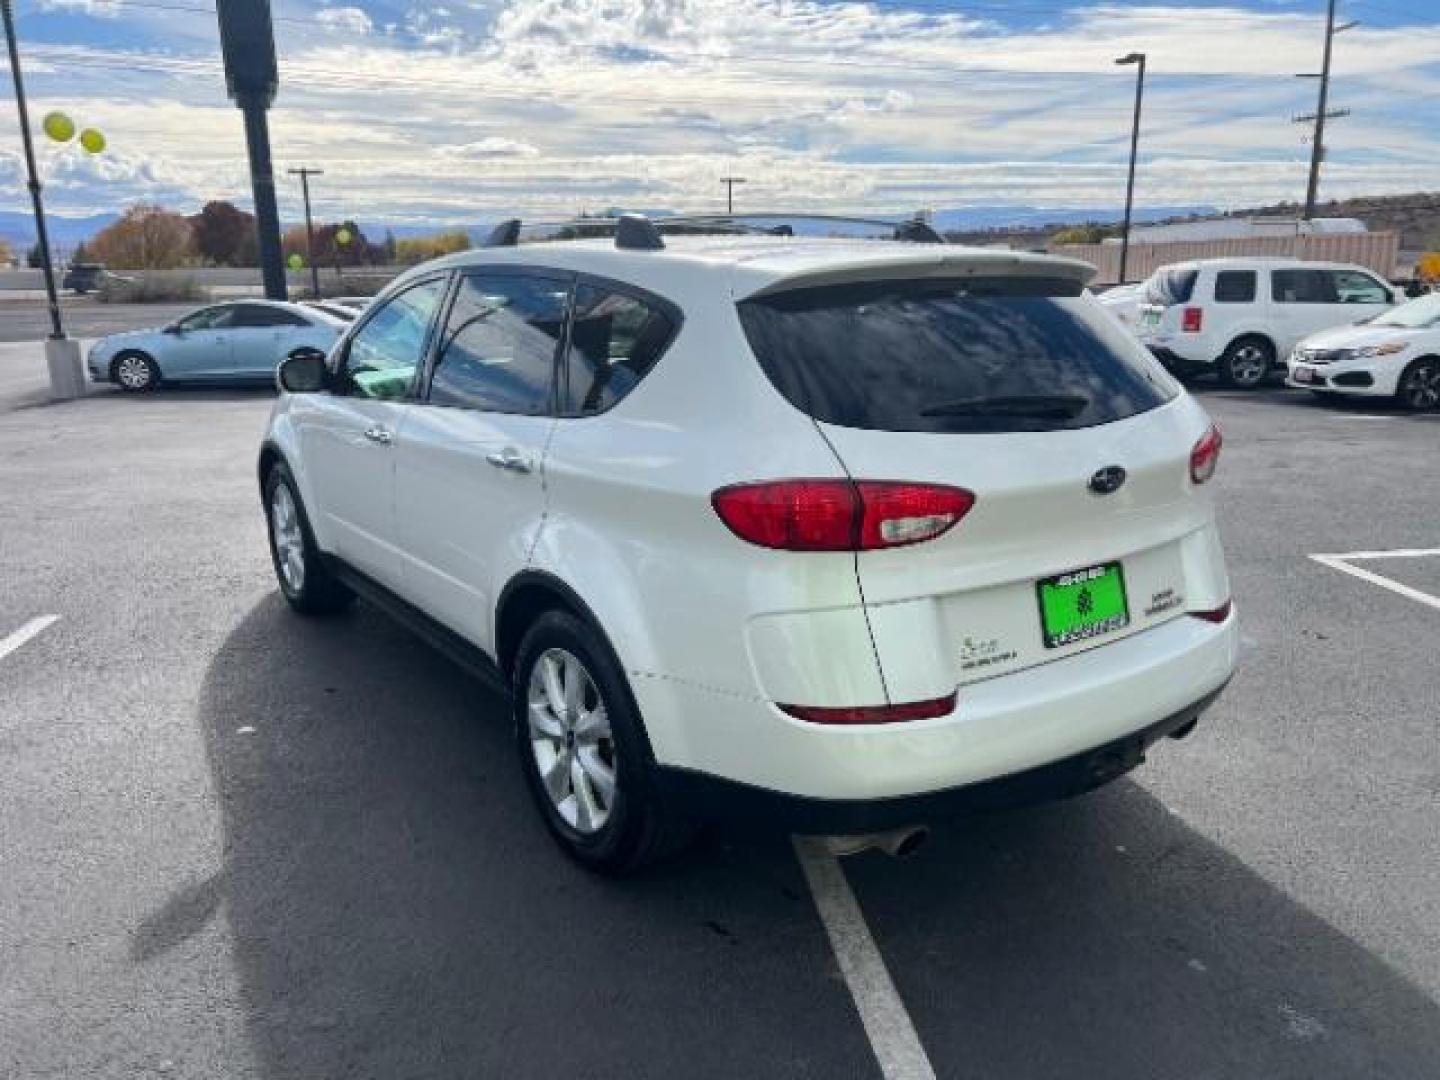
(1138,59)
(62,356)
(730,182)
(305,174)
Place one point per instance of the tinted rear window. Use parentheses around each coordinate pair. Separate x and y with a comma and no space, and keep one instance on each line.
(1235,286)
(927,356)
(1171,285)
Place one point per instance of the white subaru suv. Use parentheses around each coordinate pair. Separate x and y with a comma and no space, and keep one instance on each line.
(836,535)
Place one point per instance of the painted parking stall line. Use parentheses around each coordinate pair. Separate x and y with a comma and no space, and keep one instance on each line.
(31,629)
(888,1026)
(1345,564)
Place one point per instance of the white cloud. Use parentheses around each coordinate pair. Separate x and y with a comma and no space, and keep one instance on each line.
(350,19)
(491,147)
(107,9)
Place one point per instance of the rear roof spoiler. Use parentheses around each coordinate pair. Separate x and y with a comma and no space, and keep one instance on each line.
(754,279)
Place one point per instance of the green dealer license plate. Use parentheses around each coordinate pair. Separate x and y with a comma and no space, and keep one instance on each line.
(1082,604)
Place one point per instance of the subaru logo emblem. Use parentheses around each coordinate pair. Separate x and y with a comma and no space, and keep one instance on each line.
(1107,480)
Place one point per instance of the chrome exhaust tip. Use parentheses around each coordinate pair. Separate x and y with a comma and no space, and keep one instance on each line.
(897,843)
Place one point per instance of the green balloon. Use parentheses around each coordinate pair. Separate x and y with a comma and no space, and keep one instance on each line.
(58,126)
(296,261)
(343,236)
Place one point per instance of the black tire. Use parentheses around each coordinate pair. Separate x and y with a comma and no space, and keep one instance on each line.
(1246,362)
(135,372)
(639,828)
(1419,385)
(313,590)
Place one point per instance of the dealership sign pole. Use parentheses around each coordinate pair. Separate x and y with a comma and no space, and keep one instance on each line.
(247,39)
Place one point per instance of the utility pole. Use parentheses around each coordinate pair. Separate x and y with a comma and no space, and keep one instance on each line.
(730,182)
(305,174)
(1137,58)
(62,356)
(1322,111)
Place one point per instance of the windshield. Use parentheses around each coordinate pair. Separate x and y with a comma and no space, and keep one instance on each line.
(1416,315)
(983,355)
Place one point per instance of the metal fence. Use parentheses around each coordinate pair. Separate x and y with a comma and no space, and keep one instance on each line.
(1376,250)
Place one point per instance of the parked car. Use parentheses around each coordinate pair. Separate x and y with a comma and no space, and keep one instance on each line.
(839,535)
(1396,354)
(334,309)
(83,278)
(1123,301)
(355,303)
(234,342)
(1239,317)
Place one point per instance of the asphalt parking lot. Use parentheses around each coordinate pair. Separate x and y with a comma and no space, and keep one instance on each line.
(238,843)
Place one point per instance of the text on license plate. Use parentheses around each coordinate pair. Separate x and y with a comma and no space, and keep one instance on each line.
(1082,604)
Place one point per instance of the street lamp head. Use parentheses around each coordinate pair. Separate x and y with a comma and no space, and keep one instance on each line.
(1131,58)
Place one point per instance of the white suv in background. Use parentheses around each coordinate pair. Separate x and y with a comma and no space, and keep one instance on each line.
(837,535)
(1241,317)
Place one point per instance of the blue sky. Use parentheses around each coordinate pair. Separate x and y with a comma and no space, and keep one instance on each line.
(457,111)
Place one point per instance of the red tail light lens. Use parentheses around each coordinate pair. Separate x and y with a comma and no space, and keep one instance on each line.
(1215,615)
(1190,319)
(839,515)
(874,714)
(1205,456)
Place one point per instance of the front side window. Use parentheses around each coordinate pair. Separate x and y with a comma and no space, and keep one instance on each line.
(383,356)
(212,318)
(614,341)
(1235,286)
(982,355)
(497,351)
(1353,287)
(1302,287)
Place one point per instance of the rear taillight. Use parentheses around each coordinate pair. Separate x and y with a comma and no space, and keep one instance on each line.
(1215,615)
(874,714)
(1190,319)
(1205,456)
(839,515)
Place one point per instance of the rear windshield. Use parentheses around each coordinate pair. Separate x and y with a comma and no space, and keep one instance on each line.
(1171,285)
(974,356)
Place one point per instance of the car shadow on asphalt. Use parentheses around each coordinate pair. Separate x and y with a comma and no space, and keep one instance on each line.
(397,909)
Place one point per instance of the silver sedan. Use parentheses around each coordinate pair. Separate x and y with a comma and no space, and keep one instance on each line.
(241,341)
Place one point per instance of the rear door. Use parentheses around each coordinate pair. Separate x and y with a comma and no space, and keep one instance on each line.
(470,485)
(258,334)
(1037,404)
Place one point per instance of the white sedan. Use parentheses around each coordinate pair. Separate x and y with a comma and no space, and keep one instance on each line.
(1396,354)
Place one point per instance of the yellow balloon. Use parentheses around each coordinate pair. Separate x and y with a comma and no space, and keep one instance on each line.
(296,261)
(59,126)
(92,141)
(343,236)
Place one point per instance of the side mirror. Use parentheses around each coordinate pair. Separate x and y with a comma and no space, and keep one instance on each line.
(302,372)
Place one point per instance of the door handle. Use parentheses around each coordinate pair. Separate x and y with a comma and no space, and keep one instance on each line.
(511,459)
(378,434)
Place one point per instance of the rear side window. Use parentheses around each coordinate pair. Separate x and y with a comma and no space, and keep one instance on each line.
(498,349)
(975,356)
(1171,285)
(1303,287)
(1235,287)
(614,341)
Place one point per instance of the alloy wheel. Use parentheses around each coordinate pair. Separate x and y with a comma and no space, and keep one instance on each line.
(133,372)
(1421,388)
(1248,365)
(288,537)
(571,740)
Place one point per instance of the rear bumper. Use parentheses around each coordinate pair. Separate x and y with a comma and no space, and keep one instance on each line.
(714,798)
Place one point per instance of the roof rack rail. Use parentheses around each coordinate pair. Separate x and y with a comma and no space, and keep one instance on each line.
(636,232)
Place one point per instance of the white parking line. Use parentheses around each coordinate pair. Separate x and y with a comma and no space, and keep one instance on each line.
(892,1035)
(25,633)
(1341,563)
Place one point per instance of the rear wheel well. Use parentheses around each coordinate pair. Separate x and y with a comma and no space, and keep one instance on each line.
(524,600)
(1253,335)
